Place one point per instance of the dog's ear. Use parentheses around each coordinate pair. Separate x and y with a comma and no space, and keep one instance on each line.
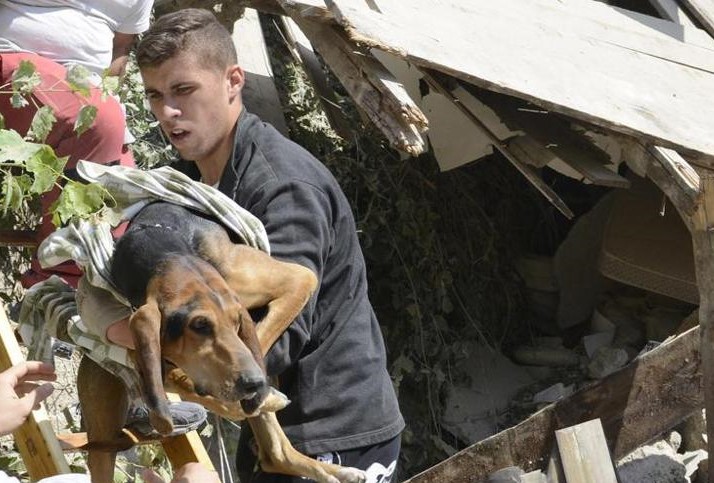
(145,326)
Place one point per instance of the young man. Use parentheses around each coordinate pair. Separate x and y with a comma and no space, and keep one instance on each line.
(331,362)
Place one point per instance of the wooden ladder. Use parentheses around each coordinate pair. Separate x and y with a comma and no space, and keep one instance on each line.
(42,449)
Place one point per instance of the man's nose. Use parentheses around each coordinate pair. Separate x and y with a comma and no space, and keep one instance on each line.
(170,110)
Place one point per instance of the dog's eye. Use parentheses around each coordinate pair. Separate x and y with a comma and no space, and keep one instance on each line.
(201,325)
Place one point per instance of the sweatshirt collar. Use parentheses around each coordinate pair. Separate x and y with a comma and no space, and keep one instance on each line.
(237,164)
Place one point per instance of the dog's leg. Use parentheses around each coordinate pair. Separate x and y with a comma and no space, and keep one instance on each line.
(262,281)
(104,403)
(277,455)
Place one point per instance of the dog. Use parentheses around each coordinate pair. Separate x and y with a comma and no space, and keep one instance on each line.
(192,285)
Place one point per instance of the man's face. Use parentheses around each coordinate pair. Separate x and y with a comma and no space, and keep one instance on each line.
(196,106)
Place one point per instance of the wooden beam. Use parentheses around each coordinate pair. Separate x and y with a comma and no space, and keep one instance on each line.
(512,156)
(314,10)
(650,395)
(372,87)
(670,172)
(671,10)
(584,454)
(36,440)
(259,93)
(703,11)
(302,52)
(185,448)
(703,241)
(553,133)
(678,168)
(18,238)
(528,48)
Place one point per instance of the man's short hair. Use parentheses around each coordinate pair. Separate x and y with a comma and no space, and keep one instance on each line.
(192,30)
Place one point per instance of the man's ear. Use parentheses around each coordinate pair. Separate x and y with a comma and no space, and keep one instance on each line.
(236,79)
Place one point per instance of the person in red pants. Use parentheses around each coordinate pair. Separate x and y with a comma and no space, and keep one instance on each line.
(103,142)
(97,35)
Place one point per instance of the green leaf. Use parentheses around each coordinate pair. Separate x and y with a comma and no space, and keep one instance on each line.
(2,121)
(120,477)
(78,79)
(17,101)
(42,124)
(25,78)
(109,85)
(14,148)
(77,200)
(12,194)
(85,118)
(46,168)
(25,182)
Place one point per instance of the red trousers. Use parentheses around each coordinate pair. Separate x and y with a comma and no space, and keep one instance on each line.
(102,143)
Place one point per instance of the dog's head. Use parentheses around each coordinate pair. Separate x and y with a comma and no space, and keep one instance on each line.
(194,321)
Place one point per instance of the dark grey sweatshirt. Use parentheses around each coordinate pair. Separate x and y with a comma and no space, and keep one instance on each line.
(331,362)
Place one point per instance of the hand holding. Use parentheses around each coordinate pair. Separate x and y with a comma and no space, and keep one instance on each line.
(20,394)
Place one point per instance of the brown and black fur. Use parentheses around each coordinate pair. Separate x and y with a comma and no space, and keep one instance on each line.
(192,287)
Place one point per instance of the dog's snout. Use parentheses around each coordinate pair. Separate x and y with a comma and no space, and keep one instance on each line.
(248,383)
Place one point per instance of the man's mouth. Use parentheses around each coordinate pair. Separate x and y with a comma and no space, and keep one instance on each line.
(178,135)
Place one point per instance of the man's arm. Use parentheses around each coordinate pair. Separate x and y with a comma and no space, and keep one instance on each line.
(120,53)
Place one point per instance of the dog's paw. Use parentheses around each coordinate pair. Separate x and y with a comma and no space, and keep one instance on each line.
(350,475)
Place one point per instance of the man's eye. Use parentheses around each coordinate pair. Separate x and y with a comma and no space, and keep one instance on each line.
(183,90)
(201,326)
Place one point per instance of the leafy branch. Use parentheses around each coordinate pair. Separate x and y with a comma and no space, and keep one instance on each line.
(28,166)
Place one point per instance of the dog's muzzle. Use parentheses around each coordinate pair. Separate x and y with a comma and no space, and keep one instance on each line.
(251,390)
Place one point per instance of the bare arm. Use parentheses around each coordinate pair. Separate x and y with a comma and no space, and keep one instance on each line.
(120,53)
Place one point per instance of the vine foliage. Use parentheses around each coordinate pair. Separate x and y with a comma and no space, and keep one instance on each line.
(28,166)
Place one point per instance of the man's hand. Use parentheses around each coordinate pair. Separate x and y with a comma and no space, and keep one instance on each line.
(188,473)
(19,394)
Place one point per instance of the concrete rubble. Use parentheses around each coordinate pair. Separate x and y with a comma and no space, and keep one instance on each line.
(661,462)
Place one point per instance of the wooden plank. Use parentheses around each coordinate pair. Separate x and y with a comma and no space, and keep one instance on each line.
(552,134)
(302,51)
(584,454)
(703,241)
(597,173)
(672,11)
(315,10)
(554,470)
(453,139)
(260,95)
(70,442)
(185,448)
(520,164)
(540,156)
(18,238)
(635,404)
(671,173)
(526,48)
(678,169)
(703,11)
(35,439)
(372,87)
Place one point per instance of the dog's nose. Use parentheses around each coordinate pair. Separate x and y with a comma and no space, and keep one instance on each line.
(248,383)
